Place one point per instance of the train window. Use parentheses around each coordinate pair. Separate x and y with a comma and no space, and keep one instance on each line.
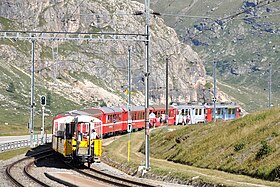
(219,111)
(200,111)
(135,116)
(233,111)
(114,117)
(229,111)
(132,116)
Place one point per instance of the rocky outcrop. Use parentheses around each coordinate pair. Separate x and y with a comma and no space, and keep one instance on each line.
(98,70)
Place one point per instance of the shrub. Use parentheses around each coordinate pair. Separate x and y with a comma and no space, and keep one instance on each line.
(264,150)
(102,103)
(238,147)
(11,87)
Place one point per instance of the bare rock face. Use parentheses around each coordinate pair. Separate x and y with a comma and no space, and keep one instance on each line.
(95,70)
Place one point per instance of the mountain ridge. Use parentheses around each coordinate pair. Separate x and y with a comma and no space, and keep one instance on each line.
(75,72)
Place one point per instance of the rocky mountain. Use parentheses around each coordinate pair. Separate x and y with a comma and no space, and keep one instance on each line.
(76,74)
(241,36)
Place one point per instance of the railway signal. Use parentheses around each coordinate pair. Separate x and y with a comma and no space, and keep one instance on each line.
(43,100)
(43,103)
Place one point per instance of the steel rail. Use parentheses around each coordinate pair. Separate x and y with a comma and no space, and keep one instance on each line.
(118,181)
(8,169)
(9,175)
(26,168)
(139,183)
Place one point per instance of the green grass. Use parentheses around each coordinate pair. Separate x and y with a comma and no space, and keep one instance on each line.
(231,146)
(214,154)
(7,24)
(10,154)
(17,113)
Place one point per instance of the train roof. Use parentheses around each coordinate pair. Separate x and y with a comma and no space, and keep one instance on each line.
(207,105)
(70,113)
(106,109)
(133,108)
(86,118)
(161,107)
(93,111)
(64,119)
(189,106)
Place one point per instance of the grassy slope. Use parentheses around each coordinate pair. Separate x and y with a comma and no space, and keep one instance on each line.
(249,145)
(231,146)
(15,109)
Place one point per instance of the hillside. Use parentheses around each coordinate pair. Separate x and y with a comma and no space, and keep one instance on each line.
(83,74)
(242,44)
(239,153)
(248,146)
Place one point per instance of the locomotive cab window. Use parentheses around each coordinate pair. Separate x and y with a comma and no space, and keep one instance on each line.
(68,131)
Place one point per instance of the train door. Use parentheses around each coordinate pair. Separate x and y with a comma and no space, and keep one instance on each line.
(224,113)
(68,146)
(180,116)
(208,114)
(192,115)
(82,135)
(237,112)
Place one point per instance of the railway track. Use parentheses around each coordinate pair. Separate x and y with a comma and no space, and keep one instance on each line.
(18,172)
(109,179)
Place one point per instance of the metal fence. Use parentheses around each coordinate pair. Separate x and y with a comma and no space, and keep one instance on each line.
(21,144)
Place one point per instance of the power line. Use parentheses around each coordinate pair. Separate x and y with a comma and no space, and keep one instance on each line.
(259,5)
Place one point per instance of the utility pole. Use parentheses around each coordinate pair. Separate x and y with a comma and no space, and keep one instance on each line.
(129,127)
(269,85)
(32,104)
(166,94)
(214,99)
(147,73)
(43,125)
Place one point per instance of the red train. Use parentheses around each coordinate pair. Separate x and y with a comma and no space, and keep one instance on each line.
(115,119)
(72,130)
